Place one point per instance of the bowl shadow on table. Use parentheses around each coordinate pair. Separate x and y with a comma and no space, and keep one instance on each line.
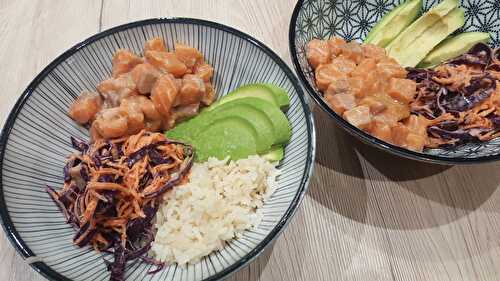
(253,271)
(364,176)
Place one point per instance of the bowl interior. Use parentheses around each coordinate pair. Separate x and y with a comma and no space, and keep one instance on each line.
(352,20)
(35,143)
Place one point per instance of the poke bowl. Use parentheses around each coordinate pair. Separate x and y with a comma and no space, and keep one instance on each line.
(44,141)
(361,22)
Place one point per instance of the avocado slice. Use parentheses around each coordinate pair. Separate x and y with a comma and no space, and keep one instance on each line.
(262,124)
(453,47)
(252,90)
(393,23)
(234,137)
(275,154)
(281,126)
(280,95)
(413,44)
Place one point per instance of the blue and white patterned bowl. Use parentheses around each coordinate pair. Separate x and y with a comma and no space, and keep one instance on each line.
(35,142)
(352,20)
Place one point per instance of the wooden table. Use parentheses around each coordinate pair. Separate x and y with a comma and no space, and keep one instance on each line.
(367,215)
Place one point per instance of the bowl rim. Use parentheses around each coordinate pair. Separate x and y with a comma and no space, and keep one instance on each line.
(363,136)
(51,274)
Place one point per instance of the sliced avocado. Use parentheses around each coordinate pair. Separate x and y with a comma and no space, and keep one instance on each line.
(393,23)
(453,47)
(253,90)
(416,41)
(275,154)
(281,126)
(280,95)
(259,120)
(233,137)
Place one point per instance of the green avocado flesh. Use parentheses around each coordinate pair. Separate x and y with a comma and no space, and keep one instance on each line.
(453,47)
(275,154)
(393,23)
(280,95)
(411,46)
(242,117)
(281,126)
(233,137)
(253,90)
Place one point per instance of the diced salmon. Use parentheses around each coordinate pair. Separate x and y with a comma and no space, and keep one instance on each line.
(343,65)
(163,94)
(144,76)
(326,74)
(123,61)
(85,107)
(357,86)
(372,84)
(359,116)
(403,90)
(155,44)
(382,131)
(389,70)
(417,124)
(188,55)
(341,102)
(352,51)
(375,105)
(365,67)
(415,142)
(399,134)
(335,45)
(204,71)
(373,51)
(166,63)
(317,53)
(394,112)
(192,90)
(209,96)
(338,85)
(115,89)
(186,111)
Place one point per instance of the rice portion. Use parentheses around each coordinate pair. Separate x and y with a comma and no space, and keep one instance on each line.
(219,202)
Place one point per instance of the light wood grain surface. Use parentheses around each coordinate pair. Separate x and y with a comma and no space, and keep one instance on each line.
(367,215)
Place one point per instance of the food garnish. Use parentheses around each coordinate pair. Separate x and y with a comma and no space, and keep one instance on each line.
(112,190)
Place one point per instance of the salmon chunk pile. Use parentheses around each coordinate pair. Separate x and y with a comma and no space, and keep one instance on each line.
(151,92)
(368,89)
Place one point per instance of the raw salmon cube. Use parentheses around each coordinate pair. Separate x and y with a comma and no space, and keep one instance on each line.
(403,90)
(326,74)
(144,76)
(209,95)
(388,69)
(115,89)
(343,65)
(341,102)
(415,142)
(123,61)
(352,51)
(417,124)
(317,53)
(382,131)
(166,62)
(359,116)
(365,67)
(85,107)
(188,55)
(375,105)
(335,45)
(204,71)
(357,86)
(400,134)
(192,90)
(373,51)
(155,44)
(339,85)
